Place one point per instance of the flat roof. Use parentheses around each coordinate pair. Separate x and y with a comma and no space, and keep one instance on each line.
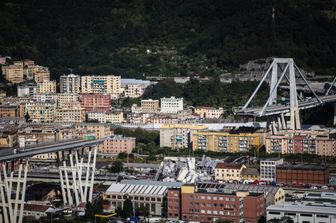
(304,207)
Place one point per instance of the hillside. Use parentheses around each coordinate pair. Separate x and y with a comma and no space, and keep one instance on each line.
(137,38)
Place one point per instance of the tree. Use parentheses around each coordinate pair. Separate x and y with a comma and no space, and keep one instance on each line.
(27,116)
(127,209)
(284,219)
(117,166)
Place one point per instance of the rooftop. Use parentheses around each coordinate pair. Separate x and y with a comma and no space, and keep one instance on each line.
(228,166)
(302,167)
(305,207)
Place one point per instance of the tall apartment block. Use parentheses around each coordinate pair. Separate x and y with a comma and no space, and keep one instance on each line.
(70,83)
(226,141)
(192,205)
(171,105)
(108,84)
(46,87)
(268,169)
(96,102)
(14,73)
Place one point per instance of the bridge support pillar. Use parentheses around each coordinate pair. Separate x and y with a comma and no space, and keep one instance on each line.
(12,208)
(76,190)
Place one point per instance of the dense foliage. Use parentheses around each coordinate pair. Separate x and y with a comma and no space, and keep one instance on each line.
(159,37)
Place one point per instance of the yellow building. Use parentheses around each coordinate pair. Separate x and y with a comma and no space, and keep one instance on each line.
(109,84)
(46,87)
(41,112)
(14,73)
(114,117)
(70,115)
(41,74)
(178,135)
(8,138)
(101,130)
(209,112)
(67,99)
(229,171)
(226,142)
(150,106)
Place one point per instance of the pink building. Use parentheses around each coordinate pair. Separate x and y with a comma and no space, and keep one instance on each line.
(117,144)
(96,102)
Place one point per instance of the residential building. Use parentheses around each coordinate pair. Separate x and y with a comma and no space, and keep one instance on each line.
(191,204)
(102,84)
(68,100)
(96,102)
(209,112)
(36,133)
(70,84)
(41,112)
(44,97)
(268,169)
(14,73)
(26,89)
(250,174)
(150,106)
(10,111)
(302,174)
(104,117)
(144,194)
(117,144)
(134,90)
(46,87)
(171,105)
(303,211)
(178,135)
(226,141)
(229,171)
(325,147)
(41,74)
(99,129)
(8,137)
(70,115)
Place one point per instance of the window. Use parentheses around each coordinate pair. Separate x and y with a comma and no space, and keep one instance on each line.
(274,213)
(306,215)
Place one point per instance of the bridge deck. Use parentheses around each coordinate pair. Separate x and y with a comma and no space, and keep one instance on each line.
(62,146)
(279,109)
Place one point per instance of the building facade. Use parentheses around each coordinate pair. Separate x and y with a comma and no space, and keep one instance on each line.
(69,115)
(117,144)
(171,105)
(96,102)
(41,112)
(14,73)
(229,172)
(46,87)
(192,205)
(178,135)
(70,84)
(150,106)
(226,142)
(26,89)
(209,112)
(268,169)
(102,84)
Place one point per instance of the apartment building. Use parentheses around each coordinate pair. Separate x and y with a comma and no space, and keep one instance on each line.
(302,174)
(301,141)
(150,106)
(104,117)
(268,169)
(144,194)
(96,102)
(69,115)
(229,172)
(134,90)
(41,112)
(26,89)
(8,138)
(10,111)
(68,100)
(226,141)
(33,134)
(209,112)
(14,73)
(117,144)
(46,87)
(52,97)
(99,129)
(70,84)
(41,74)
(191,204)
(303,211)
(108,84)
(178,135)
(171,105)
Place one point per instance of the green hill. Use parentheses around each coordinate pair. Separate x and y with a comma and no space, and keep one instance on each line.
(136,38)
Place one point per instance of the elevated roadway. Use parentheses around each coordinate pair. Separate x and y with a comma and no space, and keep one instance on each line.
(280,109)
(52,148)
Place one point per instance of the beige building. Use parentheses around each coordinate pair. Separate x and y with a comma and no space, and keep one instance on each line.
(14,73)
(46,87)
(67,100)
(117,144)
(70,115)
(326,147)
(226,141)
(8,138)
(104,117)
(41,112)
(150,106)
(101,130)
(41,74)
(134,90)
(229,171)
(109,84)
(209,112)
(178,135)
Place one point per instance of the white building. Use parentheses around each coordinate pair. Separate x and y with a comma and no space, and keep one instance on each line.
(303,211)
(268,169)
(70,83)
(109,84)
(26,89)
(104,117)
(171,105)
